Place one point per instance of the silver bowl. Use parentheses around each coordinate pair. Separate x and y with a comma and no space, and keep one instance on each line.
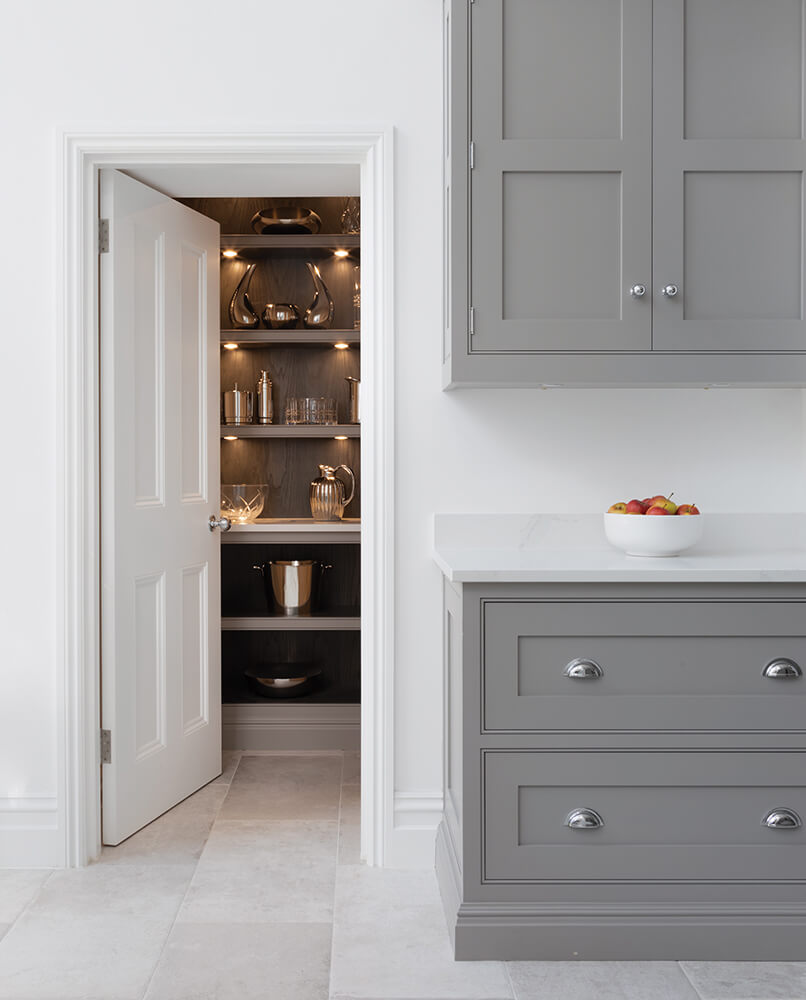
(286,219)
(281,316)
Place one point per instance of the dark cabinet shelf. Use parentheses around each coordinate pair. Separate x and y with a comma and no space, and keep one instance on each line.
(290,338)
(250,245)
(291,431)
(334,620)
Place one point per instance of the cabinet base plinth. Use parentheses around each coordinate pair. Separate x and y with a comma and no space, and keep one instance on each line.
(526,931)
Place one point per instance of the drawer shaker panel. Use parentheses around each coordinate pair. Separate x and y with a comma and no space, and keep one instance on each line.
(648,816)
(637,666)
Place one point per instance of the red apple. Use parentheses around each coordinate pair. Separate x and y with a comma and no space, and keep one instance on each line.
(636,507)
(618,508)
(658,511)
(665,502)
(687,508)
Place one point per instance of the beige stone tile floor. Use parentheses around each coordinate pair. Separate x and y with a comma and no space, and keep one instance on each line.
(252,889)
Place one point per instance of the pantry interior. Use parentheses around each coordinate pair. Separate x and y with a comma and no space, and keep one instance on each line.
(266,651)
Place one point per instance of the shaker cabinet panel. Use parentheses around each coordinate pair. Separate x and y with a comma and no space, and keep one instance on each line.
(728,176)
(560,189)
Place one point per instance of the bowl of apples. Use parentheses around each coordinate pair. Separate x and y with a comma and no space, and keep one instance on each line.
(655,526)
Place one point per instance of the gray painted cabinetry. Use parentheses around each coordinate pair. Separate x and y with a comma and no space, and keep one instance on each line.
(624,192)
(625,771)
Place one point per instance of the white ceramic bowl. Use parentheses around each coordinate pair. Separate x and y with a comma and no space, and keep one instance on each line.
(658,536)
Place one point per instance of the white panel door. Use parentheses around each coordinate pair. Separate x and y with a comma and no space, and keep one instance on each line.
(160,563)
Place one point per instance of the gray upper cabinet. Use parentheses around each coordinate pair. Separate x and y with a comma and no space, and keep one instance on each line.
(624,192)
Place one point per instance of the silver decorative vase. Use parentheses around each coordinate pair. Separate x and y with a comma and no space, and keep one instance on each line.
(319,314)
(241,313)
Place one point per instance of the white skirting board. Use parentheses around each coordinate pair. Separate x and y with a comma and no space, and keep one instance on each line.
(283,726)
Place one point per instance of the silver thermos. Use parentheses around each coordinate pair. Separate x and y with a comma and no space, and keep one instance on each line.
(238,406)
(265,406)
(354,384)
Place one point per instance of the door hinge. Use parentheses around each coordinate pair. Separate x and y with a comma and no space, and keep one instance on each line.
(103,236)
(472,321)
(471,154)
(106,746)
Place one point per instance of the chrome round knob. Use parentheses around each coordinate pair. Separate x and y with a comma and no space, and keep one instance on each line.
(669,291)
(782,819)
(584,819)
(638,291)
(219,522)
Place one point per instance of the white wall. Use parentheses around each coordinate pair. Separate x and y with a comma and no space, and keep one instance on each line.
(177,64)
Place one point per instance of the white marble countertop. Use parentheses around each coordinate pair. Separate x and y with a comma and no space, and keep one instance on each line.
(553,548)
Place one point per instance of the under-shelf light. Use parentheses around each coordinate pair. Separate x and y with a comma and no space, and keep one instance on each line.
(341,253)
(229,253)
(231,347)
(341,346)
(340,437)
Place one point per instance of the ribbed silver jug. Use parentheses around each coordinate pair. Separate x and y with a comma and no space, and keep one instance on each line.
(327,493)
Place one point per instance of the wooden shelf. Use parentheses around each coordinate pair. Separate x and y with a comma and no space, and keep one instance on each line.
(293,529)
(250,245)
(291,431)
(336,620)
(290,338)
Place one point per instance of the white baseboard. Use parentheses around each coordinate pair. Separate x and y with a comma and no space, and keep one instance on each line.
(411,842)
(279,726)
(30,833)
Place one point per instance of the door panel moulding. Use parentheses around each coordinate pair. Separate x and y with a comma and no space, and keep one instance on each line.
(79,157)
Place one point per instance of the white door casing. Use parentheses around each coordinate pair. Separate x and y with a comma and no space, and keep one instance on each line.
(160,562)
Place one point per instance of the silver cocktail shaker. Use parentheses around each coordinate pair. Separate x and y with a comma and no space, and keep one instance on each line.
(238,406)
(354,384)
(265,406)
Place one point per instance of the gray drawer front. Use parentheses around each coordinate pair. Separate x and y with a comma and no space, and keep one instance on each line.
(667,815)
(666,666)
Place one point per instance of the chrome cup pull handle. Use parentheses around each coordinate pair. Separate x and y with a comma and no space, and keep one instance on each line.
(782,669)
(584,819)
(669,291)
(219,522)
(582,669)
(638,291)
(782,819)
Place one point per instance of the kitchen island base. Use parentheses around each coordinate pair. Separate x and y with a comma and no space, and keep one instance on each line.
(625,771)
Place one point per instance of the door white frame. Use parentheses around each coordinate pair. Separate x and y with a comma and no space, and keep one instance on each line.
(81,156)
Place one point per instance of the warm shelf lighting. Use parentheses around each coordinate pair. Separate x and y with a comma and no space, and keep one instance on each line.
(229,253)
(340,437)
(230,437)
(341,346)
(231,347)
(341,253)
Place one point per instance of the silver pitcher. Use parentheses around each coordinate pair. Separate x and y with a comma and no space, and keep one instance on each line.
(327,494)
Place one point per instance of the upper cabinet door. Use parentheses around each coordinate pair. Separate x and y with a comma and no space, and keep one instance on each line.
(729,156)
(560,190)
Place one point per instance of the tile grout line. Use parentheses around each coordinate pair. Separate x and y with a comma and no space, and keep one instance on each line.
(688,979)
(509,980)
(335,879)
(187,889)
(30,902)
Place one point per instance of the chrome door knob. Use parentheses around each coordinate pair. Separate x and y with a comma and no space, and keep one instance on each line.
(584,819)
(638,291)
(219,522)
(669,291)
(782,819)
